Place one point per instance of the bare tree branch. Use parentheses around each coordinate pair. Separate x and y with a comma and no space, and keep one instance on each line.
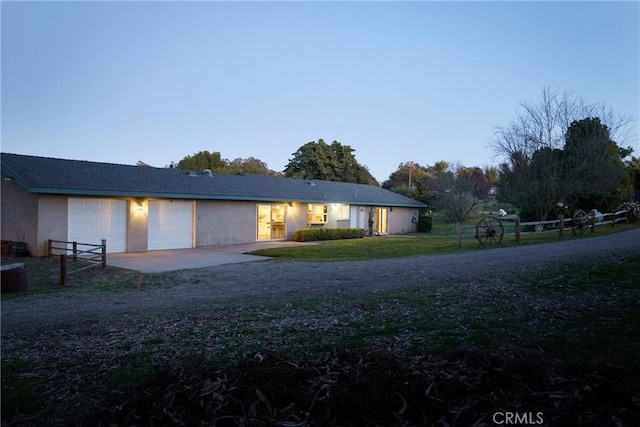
(544,123)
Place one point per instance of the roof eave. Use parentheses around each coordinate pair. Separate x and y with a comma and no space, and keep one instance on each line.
(112,193)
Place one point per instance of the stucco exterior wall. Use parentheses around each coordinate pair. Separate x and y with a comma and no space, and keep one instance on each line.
(400,220)
(296,218)
(225,222)
(52,221)
(18,214)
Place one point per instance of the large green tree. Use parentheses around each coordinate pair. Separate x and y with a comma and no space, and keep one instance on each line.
(545,183)
(595,172)
(329,162)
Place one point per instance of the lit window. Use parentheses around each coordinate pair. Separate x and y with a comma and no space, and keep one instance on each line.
(343,212)
(317,214)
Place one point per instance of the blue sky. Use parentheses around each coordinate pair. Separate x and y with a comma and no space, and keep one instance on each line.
(422,81)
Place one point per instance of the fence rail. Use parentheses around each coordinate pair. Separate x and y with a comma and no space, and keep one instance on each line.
(558,225)
(95,256)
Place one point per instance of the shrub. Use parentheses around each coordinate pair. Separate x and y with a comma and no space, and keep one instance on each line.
(633,210)
(313,234)
(425,224)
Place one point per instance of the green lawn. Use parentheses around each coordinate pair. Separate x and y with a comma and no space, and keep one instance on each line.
(441,240)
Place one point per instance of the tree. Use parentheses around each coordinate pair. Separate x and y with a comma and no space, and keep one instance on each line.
(201,161)
(334,162)
(513,181)
(633,169)
(422,177)
(538,131)
(480,186)
(492,174)
(545,184)
(543,124)
(214,162)
(251,166)
(408,180)
(594,167)
(457,192)
(441,166)
(587,173)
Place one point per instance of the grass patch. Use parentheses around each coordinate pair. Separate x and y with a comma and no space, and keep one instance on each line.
(414,244)
(21,392)
(133,368)
(363,249)
(624,274)
(602,333)
(43,275)
(153,341)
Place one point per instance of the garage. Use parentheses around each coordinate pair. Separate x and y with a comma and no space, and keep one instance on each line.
(170,224)
(92,219)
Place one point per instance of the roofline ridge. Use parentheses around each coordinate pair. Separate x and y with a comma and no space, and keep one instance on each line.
(75,160)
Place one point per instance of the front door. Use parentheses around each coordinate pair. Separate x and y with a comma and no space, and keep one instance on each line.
(382,220)
(272,220)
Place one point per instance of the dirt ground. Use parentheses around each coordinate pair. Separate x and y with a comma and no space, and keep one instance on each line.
(276,279)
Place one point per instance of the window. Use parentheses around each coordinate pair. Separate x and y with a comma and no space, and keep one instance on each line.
(317,214)
(343,212)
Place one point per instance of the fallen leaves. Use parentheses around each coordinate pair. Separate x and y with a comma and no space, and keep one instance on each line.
(375,387)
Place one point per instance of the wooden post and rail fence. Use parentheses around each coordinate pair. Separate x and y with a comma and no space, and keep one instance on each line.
(95,255)
(490,229)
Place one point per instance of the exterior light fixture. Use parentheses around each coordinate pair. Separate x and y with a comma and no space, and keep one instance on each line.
(139,202)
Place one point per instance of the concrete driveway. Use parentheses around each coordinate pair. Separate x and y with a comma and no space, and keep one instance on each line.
(181,259)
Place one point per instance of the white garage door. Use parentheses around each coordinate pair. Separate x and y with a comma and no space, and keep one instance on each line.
(170,224)
(91,220)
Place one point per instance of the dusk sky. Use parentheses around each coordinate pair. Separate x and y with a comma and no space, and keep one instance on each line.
(397,81)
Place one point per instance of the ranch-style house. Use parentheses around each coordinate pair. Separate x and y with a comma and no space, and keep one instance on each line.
(140,208)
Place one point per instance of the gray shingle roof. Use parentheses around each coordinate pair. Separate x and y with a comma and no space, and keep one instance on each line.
(76,177)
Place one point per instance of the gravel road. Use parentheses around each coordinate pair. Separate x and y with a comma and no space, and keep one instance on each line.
(202,289)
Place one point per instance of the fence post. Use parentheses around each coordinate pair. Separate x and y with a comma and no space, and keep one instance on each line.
(561,224)
(49,248)
(593,220)
(63,270)
(75,251)
(458,235)
(104,253)
(518,229)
